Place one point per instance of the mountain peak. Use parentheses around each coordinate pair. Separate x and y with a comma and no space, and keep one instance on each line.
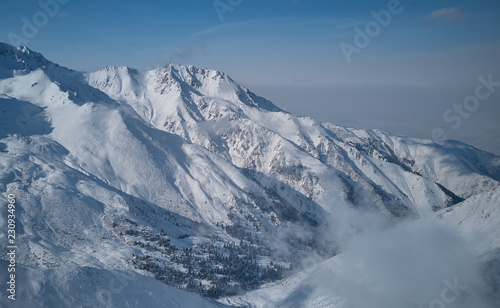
(189,78)
(22,60)
(185,71)
(214,84)
(174,84)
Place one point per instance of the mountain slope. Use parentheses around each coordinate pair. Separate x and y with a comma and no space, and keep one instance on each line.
(400,175)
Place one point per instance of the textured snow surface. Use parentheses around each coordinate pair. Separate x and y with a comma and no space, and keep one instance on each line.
(478,218)
(178,152)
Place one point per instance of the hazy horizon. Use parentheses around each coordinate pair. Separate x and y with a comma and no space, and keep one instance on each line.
(419,62)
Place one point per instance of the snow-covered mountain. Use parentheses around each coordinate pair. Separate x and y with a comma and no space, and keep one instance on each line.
(183,175)
(208,108)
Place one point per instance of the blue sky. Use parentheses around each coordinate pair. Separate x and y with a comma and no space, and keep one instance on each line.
(427,59)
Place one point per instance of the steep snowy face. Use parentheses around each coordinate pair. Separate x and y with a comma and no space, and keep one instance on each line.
(462,169)
(20,60)
(175,93)
(106,139)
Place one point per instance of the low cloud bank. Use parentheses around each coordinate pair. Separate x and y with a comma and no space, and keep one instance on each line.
(414,264)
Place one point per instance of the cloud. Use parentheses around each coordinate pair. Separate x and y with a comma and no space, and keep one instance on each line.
(64,14)
(414,264)
(238,25)
(179,54)
(301,80)
(187,52)
(448,15)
